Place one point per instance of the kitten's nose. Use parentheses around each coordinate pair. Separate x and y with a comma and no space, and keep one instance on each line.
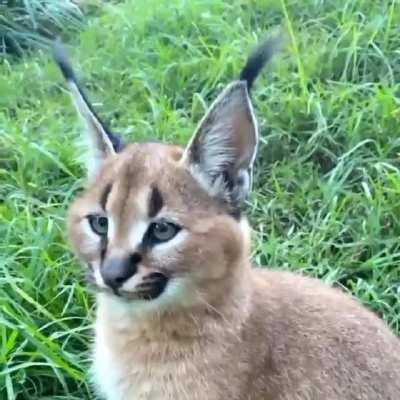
(116,270)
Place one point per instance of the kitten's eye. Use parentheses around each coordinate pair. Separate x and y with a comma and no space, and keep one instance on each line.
(99,224)
(163,231)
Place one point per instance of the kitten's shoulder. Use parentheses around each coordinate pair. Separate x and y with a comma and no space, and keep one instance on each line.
(311,305)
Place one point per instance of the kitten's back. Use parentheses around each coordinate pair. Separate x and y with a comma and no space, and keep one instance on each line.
(319,343)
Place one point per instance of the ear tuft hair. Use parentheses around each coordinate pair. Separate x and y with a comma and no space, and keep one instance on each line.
(260,56)
(102,141)
(61,58)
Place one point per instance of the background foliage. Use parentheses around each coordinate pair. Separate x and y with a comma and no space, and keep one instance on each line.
(26,24)
(327,195)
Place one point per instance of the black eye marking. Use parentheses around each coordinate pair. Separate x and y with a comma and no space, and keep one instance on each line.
(103,248)
(104,196)
(135,258)
(160,232)
(156,202)
(99,224)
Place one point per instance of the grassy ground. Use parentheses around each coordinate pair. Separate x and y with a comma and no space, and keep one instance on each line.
(327,196)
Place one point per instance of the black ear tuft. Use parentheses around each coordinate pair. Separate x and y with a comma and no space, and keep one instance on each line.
(100,134)
(61,58)
(116,141)
(258,58)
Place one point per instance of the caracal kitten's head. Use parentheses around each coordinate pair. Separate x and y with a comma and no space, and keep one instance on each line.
(159,224)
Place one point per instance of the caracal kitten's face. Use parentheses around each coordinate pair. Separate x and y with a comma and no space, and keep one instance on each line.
(161,225)
(147,231)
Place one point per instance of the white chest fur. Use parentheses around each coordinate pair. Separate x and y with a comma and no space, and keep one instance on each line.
(122,377)
(129,367)
(107,373)
(121,374)
(142,353)
(125,378)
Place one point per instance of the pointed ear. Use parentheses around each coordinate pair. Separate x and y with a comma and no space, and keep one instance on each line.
(221,153)
(102,143)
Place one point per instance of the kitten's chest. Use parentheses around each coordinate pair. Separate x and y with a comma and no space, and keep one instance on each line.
(125,377)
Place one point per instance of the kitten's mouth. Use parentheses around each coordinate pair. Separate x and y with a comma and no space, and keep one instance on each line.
(150,288)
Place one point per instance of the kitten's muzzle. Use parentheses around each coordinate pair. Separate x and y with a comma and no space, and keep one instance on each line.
(151,287)
(115,271)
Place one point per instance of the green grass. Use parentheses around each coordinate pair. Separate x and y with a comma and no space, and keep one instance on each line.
(26,24)
(327,195)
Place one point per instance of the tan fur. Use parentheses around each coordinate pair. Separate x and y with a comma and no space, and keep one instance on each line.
(226,331)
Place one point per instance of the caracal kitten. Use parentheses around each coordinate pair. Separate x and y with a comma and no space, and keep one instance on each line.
(181,312)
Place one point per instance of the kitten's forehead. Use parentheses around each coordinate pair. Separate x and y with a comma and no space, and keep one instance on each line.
(140,163)
(150,156)
(134,171)
(144,178)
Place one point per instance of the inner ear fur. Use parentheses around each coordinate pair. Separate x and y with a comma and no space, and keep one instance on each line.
(221,153)
(222,150)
